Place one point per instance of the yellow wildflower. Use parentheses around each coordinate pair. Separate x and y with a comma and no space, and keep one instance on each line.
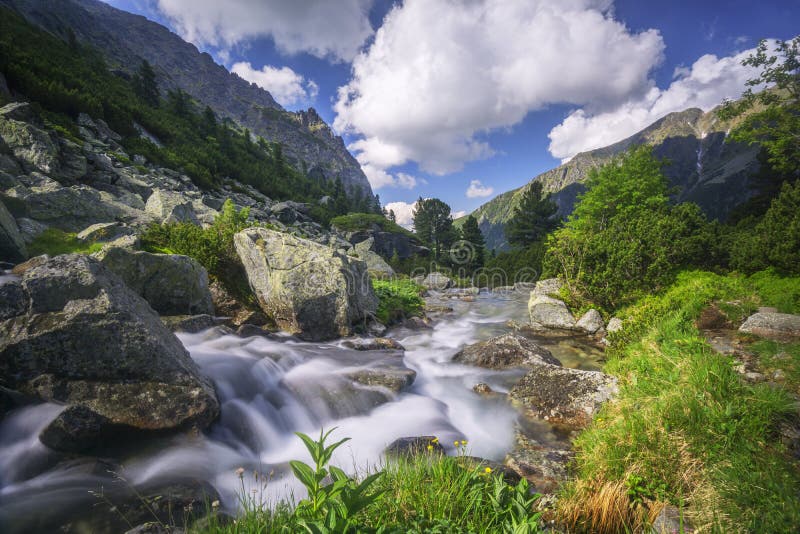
(463,443)
(488,469)
(430,447)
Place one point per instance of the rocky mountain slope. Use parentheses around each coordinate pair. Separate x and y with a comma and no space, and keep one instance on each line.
(702,166)
(127,39)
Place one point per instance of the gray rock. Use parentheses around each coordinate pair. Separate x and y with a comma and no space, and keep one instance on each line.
(169,206)
(29,229)
(411,446)
(508,350)
(564,396)
(12,245)
(547,312)
(392,377)
(437,281)
(85,338)
(307,288)
(103,232)
(375,263)
(545,467)
(190,324)
(614,325)
(547,287)
(378,343)
(770,325)
(170,283)
(13,299)
(671,520)
(80,429)
(590,322)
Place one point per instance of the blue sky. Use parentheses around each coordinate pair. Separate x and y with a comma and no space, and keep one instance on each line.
(489,93)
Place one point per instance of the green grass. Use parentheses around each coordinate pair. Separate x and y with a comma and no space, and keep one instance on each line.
(54,242)
(425,493)
(685,427)
(354,222)
(397,299)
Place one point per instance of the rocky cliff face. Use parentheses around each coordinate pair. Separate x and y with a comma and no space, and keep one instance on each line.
(701,165)
(127,39)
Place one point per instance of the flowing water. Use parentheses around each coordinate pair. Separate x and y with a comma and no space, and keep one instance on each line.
(269,389)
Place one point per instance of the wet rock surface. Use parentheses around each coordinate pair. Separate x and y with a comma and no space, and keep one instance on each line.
(78,335)
(508,350)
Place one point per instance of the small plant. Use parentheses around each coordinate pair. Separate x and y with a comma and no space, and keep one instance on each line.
(330,507)
(397,299)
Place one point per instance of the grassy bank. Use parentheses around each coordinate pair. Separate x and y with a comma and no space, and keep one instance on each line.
(687,429)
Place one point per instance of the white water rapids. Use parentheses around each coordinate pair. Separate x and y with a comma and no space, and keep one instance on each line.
(269,389)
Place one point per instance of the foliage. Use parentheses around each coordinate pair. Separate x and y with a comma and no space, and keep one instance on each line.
(775,113)
(423,493)
(68,80)
(774,241)
(330,507)
(434,225)
(398,299)
(356,222)
(624,238)
(54,242)
(685,427)
(212,246)
(471,233)
(533,218)
(145,85)
(520,265)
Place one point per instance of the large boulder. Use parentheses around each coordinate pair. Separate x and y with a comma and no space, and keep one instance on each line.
(375,263)
(308,289)
(170,207)
(72,332)
(546,287)
(547,312)
(508,350)
(569,397)
(12,245)
(35,148)
(772,325)
(172,284)
(590,322)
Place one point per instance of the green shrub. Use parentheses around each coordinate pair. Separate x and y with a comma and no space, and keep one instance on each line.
(355,222)
(624,239)
(775,240)
(54,242)
(397,299)
(212,246)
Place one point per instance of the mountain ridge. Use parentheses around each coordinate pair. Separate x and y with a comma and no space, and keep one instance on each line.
(701,165)
(126,39)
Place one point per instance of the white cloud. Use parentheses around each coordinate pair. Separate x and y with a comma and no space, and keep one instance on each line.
(403,211)
(477,190)
(285,85)
(440,74)
(458,214)
(379,178)
(704,85)
(322,28)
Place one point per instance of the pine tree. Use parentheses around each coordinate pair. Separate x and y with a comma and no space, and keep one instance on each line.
(145,84)
(433,224)
(533,218)
(471,233)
